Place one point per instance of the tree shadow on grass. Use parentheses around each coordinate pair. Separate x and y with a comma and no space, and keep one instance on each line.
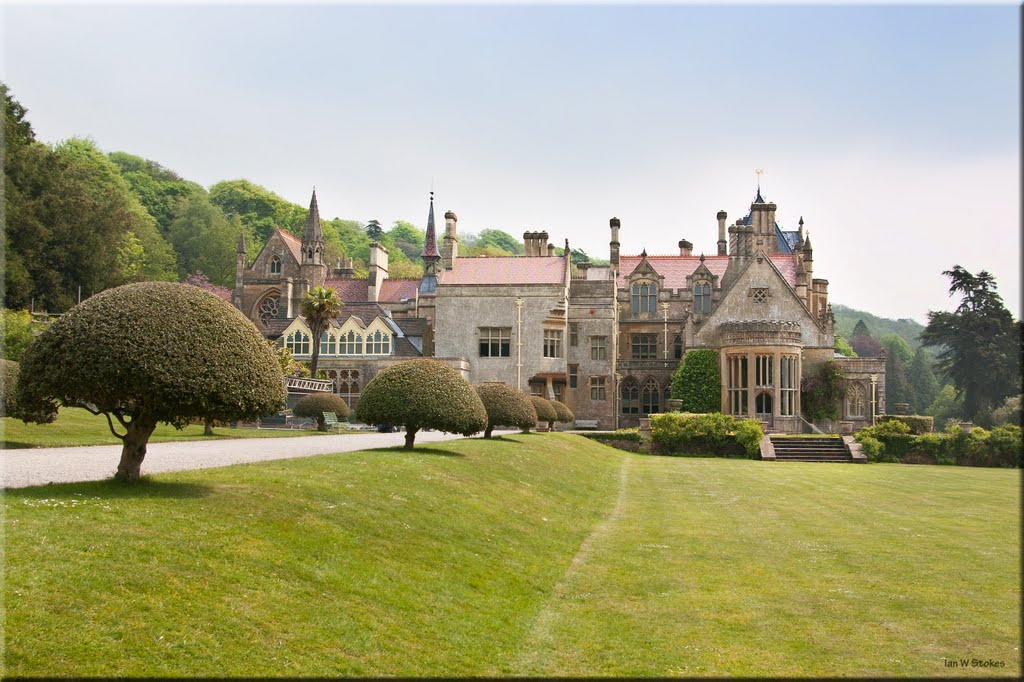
(109,488)
(418,450)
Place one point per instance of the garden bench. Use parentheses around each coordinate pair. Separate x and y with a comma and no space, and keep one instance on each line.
(586,424)
(331,420)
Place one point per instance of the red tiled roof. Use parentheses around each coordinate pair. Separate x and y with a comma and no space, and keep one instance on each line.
(675,269)
(355,290)
(293,242)
(506,270)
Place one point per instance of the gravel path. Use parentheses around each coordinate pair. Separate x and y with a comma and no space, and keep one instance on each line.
(39,466)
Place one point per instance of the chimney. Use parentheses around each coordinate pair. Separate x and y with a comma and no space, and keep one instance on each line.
(344,269)
(722,243)
(378,272)
(450,249)
(614,245)
(528,243)
(542,244)
(551,249)
(685,248)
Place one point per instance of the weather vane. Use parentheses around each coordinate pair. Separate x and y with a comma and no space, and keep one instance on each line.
(760,172)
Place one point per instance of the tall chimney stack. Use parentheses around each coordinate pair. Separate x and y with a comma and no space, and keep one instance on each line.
(685,248)
(722,243)
(614,244)
(450,248)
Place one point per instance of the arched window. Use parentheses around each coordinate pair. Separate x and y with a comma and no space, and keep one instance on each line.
(351,344)
(630,396)
(645,298)
(701,298)
(268,310)
(297,342)
(763,406)
(856,400)
(275,265)
(650,397)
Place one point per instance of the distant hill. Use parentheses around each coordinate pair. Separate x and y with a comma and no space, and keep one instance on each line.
(846,319)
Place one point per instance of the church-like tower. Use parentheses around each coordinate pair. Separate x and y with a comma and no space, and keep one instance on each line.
(312,266)
(431,256)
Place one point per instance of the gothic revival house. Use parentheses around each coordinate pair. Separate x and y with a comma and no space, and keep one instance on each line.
(604,340)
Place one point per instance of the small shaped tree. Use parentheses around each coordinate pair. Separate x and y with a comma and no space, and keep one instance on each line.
(698,382)
(563,415)
(10,384)
(146,353)
(544,409)
(422,394)
(314,405)
(506,407)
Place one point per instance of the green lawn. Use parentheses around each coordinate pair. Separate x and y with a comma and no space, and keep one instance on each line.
(539,554)
(75,426)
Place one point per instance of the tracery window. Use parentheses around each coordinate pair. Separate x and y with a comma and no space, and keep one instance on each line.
(630,396)
(328,343)
(350,344)
(788,385)
(701,298)
(298,342)
(759,294)
(645,298)
(856,400)
(275,265)
(346,384)
(268,310)
(650,397)
(737,386)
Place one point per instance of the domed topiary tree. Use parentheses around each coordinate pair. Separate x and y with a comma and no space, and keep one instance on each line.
(505,407)
(698,382)
(314,405)
(563,415)
(422,394)
(147,353)
(545,410)
(10,382)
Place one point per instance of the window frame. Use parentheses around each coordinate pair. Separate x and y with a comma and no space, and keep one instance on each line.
(499,338)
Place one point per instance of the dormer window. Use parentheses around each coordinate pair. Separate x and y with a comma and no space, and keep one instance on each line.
(275,265)
(645,298)
(701,298)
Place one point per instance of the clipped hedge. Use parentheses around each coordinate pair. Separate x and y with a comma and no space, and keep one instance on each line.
(698,382)
(505,406)
(892,441)
(544,409)
(314,405)
(918,423)
(419,394)
(563,414)
(711,433)
(630,435)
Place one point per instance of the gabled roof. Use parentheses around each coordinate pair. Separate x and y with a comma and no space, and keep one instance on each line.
(506,270)
(356,290)
(675,269)
(293,243)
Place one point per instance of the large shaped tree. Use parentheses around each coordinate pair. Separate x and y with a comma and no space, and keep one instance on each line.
(147,353)
(319,307)
(979,343)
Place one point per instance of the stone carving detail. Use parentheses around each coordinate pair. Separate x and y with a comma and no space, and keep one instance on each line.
(268,310)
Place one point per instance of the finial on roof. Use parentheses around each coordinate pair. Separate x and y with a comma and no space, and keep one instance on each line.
(760,172)
(241,242)
(643,254)
(701,257)
(801,220)
(430,241)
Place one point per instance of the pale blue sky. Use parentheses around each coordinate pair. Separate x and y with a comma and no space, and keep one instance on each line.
(894,131)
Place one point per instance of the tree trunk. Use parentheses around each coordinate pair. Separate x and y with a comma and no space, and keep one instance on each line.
(487,432)
(134,449)
(321,424)
(207,427)
(410,436)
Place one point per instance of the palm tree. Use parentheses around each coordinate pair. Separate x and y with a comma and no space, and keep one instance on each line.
(319,307)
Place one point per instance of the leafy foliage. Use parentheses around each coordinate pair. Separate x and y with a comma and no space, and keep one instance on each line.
(698,382)
(199,279)
(898,355)
(711,433)
(563,414)
(866,346)
(257,208)
(847,325)
(9,377)
(319,307)
(205,240)
(133,353)
(422,394)
(748,433)
(1009,412)
(544,409)
(923,383)
(918,424)
(17,333)
(844,348)
(158,189)
(505,406)
(892,441)
(980,343)
(821,394)
(314,405)
(946,405)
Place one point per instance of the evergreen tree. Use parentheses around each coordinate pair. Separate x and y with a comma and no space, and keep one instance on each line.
(898,356)
(374,231)
(923,381)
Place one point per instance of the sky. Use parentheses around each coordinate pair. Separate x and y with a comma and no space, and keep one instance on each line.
(894,131)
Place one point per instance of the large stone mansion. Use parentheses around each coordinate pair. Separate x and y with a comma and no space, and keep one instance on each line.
(603,340)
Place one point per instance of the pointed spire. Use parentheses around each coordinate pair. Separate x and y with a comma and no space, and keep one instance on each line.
(758,199)
(313,232)
(241,242)
(430,242)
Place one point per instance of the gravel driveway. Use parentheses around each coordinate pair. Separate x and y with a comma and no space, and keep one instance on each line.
(39,466)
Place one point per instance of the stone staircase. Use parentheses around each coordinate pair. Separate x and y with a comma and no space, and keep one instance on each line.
(817,449)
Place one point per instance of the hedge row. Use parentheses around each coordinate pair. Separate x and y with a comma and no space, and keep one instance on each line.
(892,441)
(710,433)
(632,435)
(919,424)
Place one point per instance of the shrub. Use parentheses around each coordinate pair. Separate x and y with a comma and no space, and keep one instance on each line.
(631,435)
(1005,445)
(822,393)
(422,394)
(871,447)
(698,382)
(146,353)
(545,410)
(17,333)
(1008,413)
(314,405)
(9,377)
(749,433)
(506,406)
(709,433)
(563,414)
(918,423)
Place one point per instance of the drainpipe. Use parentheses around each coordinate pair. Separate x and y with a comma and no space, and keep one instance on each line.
(664,312)
(519,343)
(874,396)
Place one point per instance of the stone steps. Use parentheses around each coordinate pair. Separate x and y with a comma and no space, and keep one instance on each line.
(810,449)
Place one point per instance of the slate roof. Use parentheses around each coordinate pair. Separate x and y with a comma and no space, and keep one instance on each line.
(412,326)
(355,290)
(294,243)
(506,270)
(786,241)
(675,269)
